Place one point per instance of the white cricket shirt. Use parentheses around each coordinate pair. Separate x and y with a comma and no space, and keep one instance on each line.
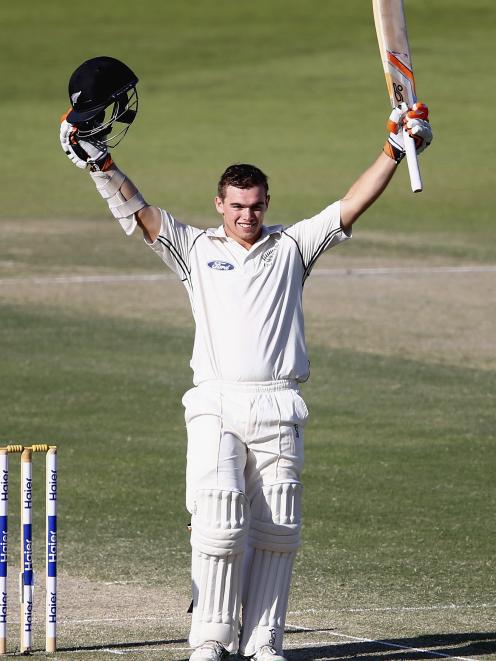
(247,304)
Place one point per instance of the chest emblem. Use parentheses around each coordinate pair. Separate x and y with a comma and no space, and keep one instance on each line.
(269,255)
(220,266)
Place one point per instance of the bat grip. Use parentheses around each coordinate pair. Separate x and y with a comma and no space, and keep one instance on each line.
(412,162)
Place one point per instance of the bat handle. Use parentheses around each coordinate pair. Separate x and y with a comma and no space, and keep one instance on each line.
(412,162)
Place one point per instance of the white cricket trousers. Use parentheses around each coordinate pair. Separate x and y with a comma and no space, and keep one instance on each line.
(243,490)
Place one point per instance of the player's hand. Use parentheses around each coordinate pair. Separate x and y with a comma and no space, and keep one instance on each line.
(81,152)
(415,121)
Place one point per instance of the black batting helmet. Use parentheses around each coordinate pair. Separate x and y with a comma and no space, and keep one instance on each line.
(102,91)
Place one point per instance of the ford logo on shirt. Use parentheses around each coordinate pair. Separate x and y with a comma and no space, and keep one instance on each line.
(221,266)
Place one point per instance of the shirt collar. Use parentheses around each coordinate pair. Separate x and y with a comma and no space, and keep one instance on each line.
(220,232)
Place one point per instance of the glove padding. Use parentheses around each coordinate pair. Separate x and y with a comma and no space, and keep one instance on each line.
(415,121)
(81,152)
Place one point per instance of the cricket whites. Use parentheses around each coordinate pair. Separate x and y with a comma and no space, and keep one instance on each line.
(390,25)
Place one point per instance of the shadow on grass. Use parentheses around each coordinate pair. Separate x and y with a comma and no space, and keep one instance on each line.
(455,645)
(101,647)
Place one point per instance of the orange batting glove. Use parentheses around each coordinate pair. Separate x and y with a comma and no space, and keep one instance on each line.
(415,121)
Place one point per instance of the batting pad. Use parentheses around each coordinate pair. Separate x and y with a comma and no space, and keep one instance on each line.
(218,536)
(273,542)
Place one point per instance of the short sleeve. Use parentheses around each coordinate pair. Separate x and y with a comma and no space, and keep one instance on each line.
(173,244)
(317,234)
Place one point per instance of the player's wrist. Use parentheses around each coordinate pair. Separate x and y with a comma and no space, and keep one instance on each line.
(123,199)
(103,164)
(393,151)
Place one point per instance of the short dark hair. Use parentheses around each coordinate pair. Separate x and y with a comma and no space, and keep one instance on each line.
(242,175)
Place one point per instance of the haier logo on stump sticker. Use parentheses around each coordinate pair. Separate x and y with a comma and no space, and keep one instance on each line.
(221,266)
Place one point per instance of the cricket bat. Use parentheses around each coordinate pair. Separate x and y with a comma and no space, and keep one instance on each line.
(390,25)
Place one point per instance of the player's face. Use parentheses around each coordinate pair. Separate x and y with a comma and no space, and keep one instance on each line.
(243,210)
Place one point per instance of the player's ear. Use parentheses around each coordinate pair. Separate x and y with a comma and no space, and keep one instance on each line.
(267,200)
(219,205)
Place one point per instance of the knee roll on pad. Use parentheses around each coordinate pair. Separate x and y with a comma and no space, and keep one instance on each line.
(218,533)
(219,522)
(276,517)
(274,538)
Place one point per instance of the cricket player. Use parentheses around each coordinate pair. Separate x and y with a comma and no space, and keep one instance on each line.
(245,416)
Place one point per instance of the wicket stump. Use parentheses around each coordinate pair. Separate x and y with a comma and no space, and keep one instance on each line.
(26,577)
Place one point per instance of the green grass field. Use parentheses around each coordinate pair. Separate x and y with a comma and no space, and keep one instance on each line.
(400,462)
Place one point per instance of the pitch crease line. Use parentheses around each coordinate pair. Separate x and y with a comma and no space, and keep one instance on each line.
(310,611)
(399,609)
(89,279)
(401,647)
(403,270)
(141,618)
(132,650)
(323,272)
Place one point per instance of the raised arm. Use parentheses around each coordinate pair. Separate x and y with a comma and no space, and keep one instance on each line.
(369,186)
(123,198)
(366,190)
(148,217)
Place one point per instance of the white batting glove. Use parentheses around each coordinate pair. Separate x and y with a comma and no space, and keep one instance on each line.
(415,120)
(81,152)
